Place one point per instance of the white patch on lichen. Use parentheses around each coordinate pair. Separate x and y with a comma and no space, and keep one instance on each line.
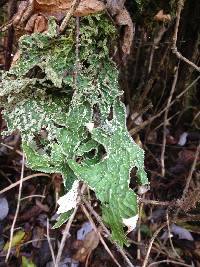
(131,222)
(90,126)
(69,201)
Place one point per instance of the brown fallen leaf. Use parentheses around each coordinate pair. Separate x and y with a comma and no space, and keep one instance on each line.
(86,246)
(85,7)
(37,23)
(34,14)
(160,16)
(124,19)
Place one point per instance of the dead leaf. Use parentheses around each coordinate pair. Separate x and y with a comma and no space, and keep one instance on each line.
(16,240)
(85,7)
(160,16)
(115,6)
(37,23)
(27,263)
(35,15)
(124,19)
(86,246)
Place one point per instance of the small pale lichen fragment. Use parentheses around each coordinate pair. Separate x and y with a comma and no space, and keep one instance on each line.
(131,222)
(69,200)
(90,126)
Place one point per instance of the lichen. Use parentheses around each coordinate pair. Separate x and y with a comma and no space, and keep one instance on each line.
(75,126)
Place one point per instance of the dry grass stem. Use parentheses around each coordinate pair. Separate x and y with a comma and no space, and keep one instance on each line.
(23,180)
(166,123)
(17,209)
(50,245)
(100,237)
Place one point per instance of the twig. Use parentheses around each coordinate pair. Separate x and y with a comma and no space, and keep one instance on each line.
(150,120)
(174,39)
(100,237)
(23,180)
(155,202)
(166,122)
(64,237)
(151,243)
(139,232)
(67,227)
(156,42)
(12,148)
(169,236)
(17,210)
(98,218)
(50,245)
(65,21)
(169,119)
(191,218)
(169,261)
(149,85)
(39,196)
(185,191)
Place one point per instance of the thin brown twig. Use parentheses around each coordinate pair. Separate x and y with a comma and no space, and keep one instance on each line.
(12,148)
(98,218)
(156,202)
(65,21)
(151,243)
(156,42)
(166,122)
(185,219)
(149,85)
(150,120)
(64,237)
(17,209)
(169,236)
(23,180)
(100,237)
(169,261)
(68,225)
(50,245)
(27,197)
(185,191)
(139,231)
(175,36)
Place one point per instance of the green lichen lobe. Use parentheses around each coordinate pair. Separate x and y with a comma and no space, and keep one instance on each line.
(52,109)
